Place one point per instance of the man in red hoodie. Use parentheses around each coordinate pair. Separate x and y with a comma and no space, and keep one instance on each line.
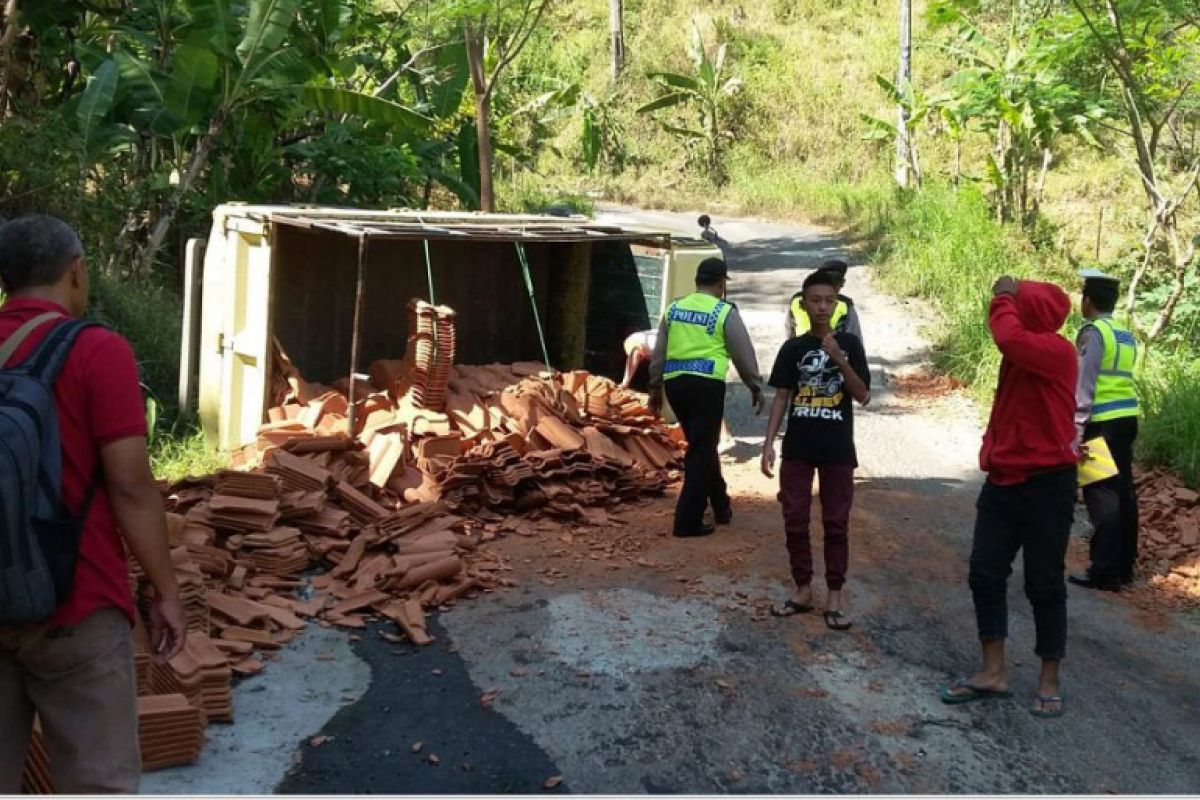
(1028,500)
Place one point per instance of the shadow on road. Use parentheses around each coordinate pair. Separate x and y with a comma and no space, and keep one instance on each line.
(784,252)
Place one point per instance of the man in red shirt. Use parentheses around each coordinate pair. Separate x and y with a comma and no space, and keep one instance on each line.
(1028,500)
(75,669)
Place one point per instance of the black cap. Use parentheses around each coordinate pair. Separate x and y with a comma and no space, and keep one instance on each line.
(836,266)
(1096,278)
(710,271)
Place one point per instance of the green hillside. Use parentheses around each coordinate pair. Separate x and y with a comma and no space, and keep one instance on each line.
(133,120)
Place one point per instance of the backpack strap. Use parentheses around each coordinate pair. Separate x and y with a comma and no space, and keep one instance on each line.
(12,343)
(52,351)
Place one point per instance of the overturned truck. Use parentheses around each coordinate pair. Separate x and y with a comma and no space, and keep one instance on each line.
(330,287)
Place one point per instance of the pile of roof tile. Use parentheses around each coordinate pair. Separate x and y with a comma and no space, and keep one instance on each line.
(1170,533)
(509,438)
(392,498)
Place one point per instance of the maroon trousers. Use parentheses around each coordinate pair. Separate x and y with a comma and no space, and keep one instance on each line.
(837,495)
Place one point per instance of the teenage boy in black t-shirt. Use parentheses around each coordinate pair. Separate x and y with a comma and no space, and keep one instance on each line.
(817,376)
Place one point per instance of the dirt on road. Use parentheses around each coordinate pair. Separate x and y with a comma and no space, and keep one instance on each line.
(630,661)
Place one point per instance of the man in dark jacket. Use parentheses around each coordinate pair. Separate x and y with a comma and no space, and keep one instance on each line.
(1028,500)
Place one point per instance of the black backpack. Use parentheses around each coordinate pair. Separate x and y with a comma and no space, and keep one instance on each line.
(39,536)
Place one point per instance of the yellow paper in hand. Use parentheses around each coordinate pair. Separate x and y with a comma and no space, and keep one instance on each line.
(1099,465)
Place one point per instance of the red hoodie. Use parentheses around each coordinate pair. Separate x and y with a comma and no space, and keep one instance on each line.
(1032,427)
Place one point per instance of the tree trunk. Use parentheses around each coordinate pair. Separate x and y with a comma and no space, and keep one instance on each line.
(1003,157)
(1182,256)
(1040,192)
(483,138)
(957,176)
(8,33)
(715,173)
(903,80)
(914,163)
(145,262)
(483,121)
(616,26)
(1143,268)
(1145,155)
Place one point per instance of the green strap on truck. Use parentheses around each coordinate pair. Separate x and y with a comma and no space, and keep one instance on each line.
(537,319)
(429,273)
(429,278)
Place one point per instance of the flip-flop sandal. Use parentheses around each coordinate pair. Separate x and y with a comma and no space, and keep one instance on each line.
(790,608)
(836,621)
(963,692)
(1040,709)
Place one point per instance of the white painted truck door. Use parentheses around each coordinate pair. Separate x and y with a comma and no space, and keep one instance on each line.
(244,338)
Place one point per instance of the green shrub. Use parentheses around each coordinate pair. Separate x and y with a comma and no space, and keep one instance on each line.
(527,193)
(945,246)
(1169,388)
(148,315)
(183,452)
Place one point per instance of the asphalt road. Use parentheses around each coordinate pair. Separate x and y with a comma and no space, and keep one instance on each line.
(627,661)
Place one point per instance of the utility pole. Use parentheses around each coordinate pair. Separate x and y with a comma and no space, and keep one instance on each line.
(903,82)
(616,27)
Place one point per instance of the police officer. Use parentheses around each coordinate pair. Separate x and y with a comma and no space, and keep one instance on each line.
(845,316)
(697,338)
(1107,406)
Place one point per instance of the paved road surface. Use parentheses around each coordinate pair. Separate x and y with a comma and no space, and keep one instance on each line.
(628,661)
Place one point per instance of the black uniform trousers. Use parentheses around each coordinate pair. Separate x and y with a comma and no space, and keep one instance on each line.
(699,405)
(1034,517)
(1112,504)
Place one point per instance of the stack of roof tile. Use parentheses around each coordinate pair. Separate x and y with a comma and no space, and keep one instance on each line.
(279,551)
(430,353)
(216,688)
(170,729)
(190,579)
(35,779)
(242,514)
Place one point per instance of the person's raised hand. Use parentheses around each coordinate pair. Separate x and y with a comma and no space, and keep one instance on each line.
(1005,284)
(829,345)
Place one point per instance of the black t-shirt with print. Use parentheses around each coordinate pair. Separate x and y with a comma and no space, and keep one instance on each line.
(821,416)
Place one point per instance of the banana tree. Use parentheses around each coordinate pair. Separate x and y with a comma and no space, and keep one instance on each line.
(1013,89)
(223,62)
(705,93)
(917,108)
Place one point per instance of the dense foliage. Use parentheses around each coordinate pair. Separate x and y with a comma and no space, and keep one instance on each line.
(1045,133)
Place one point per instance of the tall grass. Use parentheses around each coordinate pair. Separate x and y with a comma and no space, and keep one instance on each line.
(183,452)
(1169,388)
(944,246)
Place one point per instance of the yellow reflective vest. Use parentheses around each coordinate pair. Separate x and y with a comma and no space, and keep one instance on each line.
(1115,395)
(696,337)
(802,324)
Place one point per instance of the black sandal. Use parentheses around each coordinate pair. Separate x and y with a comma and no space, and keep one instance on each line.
(836,621)
(790,608)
